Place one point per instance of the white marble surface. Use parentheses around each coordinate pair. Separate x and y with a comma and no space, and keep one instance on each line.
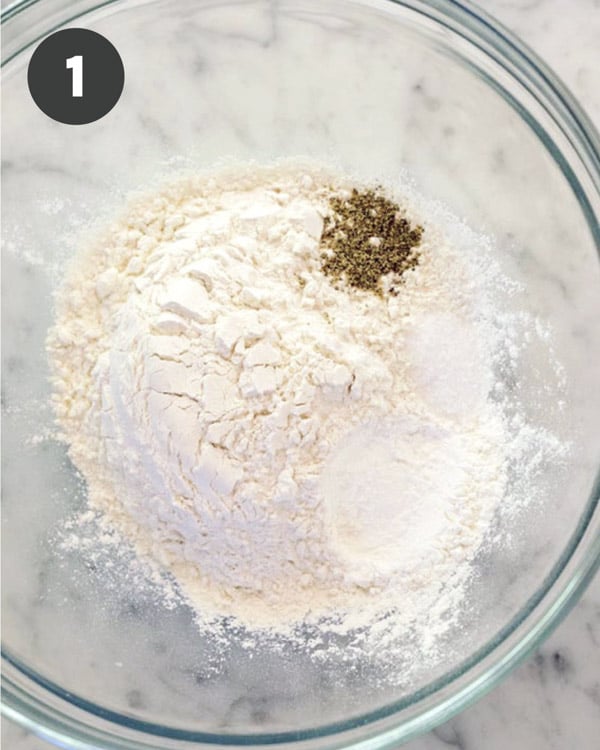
(553,701)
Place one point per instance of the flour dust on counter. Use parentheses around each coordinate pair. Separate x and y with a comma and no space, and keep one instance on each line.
(280,386)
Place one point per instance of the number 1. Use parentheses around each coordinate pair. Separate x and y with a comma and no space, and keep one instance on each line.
(76,64)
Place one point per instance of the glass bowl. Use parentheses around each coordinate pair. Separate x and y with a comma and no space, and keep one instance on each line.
(435,88)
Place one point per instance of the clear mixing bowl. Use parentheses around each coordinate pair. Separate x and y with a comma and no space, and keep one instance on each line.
(434,88)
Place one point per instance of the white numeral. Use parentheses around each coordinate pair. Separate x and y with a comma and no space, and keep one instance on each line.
(76,64)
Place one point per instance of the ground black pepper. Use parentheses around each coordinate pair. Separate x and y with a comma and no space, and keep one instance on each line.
(366,237)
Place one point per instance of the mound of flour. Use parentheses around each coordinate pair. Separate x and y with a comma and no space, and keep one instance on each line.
(286,449)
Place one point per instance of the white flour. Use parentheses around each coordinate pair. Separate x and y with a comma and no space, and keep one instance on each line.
(286,449)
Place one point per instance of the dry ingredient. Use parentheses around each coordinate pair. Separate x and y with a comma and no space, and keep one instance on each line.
(289,449)
(370,244)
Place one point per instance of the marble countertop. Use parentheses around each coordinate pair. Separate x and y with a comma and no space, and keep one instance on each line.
(552,702)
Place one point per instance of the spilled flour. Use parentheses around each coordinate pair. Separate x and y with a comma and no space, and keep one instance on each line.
(286,448)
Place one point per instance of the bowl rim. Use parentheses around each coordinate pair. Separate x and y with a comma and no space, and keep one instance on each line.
(514,642)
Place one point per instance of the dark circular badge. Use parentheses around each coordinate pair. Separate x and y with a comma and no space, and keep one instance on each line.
(75,76)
